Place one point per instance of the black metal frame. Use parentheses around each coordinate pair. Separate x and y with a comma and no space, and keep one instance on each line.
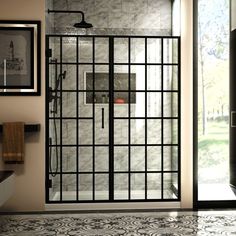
(112,118)
(197,204)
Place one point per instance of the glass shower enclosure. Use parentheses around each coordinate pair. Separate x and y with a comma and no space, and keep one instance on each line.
(113,118)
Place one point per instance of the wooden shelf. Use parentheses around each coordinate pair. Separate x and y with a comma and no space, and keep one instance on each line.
(28,127)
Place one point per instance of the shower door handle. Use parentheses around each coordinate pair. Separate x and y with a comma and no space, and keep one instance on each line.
(102,118)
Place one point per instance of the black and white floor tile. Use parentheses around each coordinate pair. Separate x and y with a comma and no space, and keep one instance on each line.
(128,224)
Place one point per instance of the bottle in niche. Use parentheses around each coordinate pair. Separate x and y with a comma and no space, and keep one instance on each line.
(107,98)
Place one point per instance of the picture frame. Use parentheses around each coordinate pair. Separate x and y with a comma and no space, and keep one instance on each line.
(20,48)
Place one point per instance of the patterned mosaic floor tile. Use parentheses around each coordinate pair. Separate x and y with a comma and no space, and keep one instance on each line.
(127,224)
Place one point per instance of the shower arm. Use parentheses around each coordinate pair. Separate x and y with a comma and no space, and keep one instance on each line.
(62,11)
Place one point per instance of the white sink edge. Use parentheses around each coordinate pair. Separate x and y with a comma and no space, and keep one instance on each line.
(7,188)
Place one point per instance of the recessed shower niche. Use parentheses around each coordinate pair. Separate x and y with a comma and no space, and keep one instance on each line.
(101,82)
(113,118)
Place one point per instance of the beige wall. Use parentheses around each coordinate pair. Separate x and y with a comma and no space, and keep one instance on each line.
(29,191)
(29,188)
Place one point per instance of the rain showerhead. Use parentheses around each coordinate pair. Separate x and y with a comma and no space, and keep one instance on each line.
(81,24)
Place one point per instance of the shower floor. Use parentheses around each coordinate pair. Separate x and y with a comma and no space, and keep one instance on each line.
(118,195)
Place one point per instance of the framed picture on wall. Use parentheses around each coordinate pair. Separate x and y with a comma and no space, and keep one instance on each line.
(20,57)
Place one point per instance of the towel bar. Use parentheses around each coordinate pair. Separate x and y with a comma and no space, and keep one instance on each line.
(28,128)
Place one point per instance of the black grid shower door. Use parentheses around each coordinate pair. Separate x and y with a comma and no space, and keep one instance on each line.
(113,118)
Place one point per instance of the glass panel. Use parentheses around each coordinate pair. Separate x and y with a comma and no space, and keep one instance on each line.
(69,104)
(83,71)
(90,98)
(170,50)
(138,108)
(121,78)
(137,131)
(175,51)
(137,50)
(69,132)
(153,186)
(121,186)
(54,131)
(120,110)
(54,44)
(85,132)
(175,159)
(101,186)
(102,77)
(175,131)
(121,131)
(153,50)
(167,105)
(167,131)
(232,15)
(55,163)
(101,159)
(154,104)
(170,77)
(85,106)
(69,49)
(138,72)
(51,75)
(101,80)
(102,125)
(175,104)
(169,185)
(175,185)
(154,78)
(137,186)
(85,50)
(121,81)
(69,77)
(170,103)
(101,50)
(215,170)
(54,191)
(120,158)
(68,187)
(153,131)
(121,50)
(170,131)
(153,158)
(121,98)
(54,106)
(137,158)
(167,158)
(85,187)
(69,159)
(85,159)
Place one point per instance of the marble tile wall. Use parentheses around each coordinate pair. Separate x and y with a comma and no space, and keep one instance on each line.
(114,16)
(49,18)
